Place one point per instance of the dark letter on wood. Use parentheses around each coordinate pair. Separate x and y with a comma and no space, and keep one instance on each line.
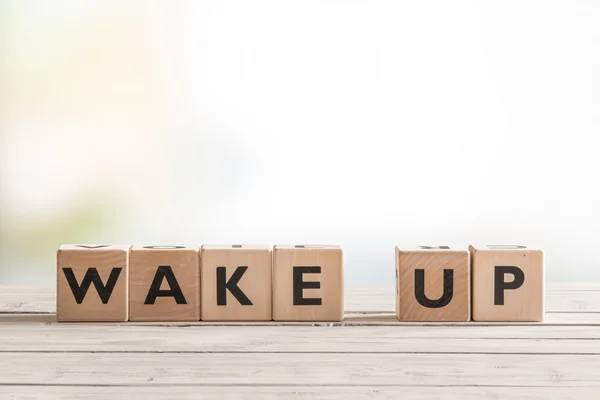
(175,291)
(92,276)
(446,296)
(500,285)
(232,285)
(300,285)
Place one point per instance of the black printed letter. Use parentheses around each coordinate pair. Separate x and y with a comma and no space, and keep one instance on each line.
(231,285)
(175,291)
(299,285)
(500,285)
(92,276)
(420,289)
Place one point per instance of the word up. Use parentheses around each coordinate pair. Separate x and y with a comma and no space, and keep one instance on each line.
(482,283)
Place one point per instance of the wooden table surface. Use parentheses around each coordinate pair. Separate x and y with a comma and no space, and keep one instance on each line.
(369,355)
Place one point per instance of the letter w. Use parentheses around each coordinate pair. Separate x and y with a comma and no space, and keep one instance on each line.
(92,276)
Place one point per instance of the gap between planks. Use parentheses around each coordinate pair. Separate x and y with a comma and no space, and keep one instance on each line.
(351,319)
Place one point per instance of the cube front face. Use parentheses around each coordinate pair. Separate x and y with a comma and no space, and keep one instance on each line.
(433,285)
(508,283)
(308,283)
(164,283)
(92,283)
(236,283)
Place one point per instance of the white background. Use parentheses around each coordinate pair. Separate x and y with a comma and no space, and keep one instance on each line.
(363,123)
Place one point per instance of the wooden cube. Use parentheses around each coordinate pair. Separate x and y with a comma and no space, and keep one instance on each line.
(92,282)
(308,283)
(236,283)
(508,283)
(164,283)
(433,284)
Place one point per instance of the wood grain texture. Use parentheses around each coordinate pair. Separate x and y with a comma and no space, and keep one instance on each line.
(330,279)
(523,303)
(183,264)
(296,339)
(284,392)
(369,355)
(300,369)
(441,299)
(350,319)
(255,283)
(97,269)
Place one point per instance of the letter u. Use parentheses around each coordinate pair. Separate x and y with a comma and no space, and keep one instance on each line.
(446,296)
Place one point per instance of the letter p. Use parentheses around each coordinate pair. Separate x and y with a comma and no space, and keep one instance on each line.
(500,285)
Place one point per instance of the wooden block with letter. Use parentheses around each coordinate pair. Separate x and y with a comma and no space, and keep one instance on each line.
(92,282)
(164,283)
(236,283)
(508,283)
(433,284)
(308,283)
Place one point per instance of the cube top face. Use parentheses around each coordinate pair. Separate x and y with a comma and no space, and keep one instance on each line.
(508,284)
(158,248)
(308,284)
(433,285)
(428,248)
(308,246)
(501,247)
(236,284)
(94,247)
(164,283)
(92,283)
(235,247)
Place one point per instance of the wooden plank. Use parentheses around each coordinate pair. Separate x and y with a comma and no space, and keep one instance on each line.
(573,286)
(20,299)
(283,392)
(573,318)
(381,299)
(573,301)
(358,319)
(298,339)
(25,300)
(300,369)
